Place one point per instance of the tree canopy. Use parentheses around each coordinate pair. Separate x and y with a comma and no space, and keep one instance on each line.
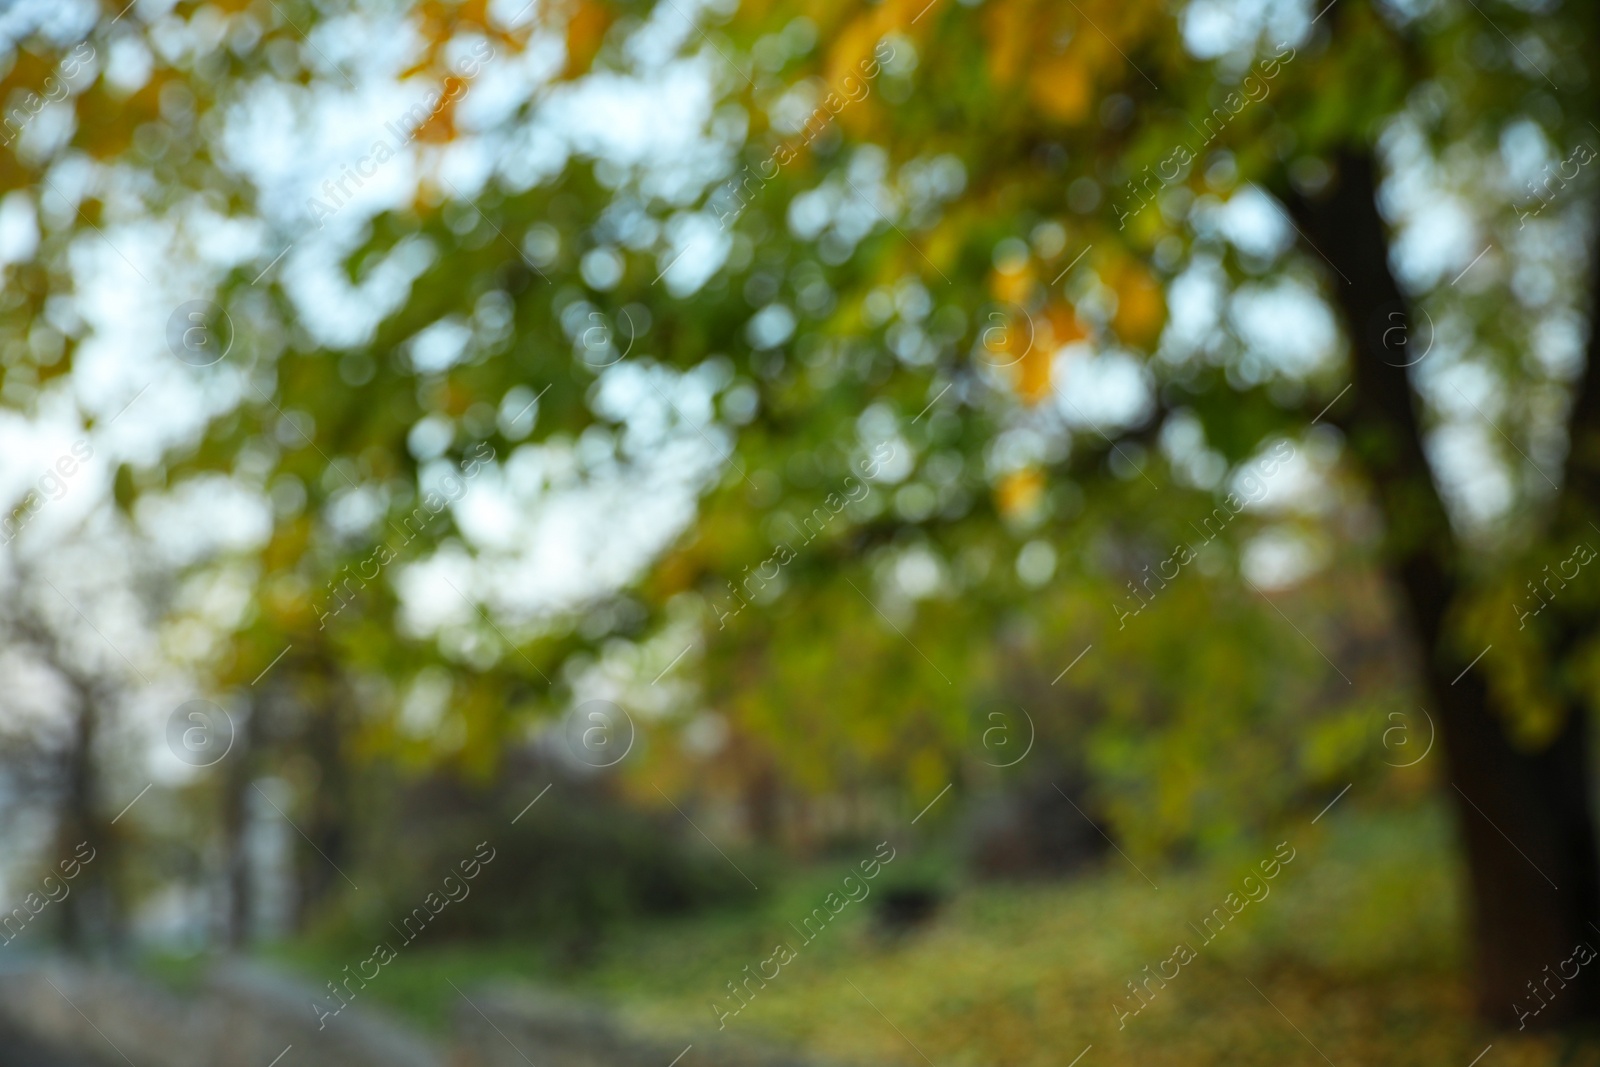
(1204,384)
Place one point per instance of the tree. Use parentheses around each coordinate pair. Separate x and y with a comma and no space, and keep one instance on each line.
(1524,808)
(70,714)
(903,235)
(1522,795)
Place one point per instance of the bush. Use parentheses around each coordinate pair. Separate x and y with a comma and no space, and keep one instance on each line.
(574,864)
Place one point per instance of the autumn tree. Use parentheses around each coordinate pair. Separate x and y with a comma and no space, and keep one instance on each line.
(913,235)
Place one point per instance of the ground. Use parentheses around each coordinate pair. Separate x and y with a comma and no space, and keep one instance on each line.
(1354,956)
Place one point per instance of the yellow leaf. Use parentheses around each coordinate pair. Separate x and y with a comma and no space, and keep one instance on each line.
(1033,371)
(1013,286)
(1019,493)
(1009,25)
(1059,86)
(1141,305)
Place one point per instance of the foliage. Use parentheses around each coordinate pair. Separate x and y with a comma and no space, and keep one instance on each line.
(934,274)
(578,863)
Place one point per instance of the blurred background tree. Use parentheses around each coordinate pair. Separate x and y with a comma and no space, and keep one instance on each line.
(1206,386)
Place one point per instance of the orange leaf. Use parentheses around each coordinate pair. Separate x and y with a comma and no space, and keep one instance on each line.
(1060,87)
(1064,325)
(586,32)
(440,125)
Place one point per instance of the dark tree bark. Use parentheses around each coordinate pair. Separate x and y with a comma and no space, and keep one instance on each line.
(90,916)
(329,812)
(763,803)
(236,800)
(1524,815)
(80,826)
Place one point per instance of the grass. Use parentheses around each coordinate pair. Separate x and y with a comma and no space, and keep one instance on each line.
(1354,957)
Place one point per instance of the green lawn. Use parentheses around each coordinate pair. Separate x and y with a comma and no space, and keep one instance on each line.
(1355,946)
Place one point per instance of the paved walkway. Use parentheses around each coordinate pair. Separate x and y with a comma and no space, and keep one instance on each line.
(19,1051)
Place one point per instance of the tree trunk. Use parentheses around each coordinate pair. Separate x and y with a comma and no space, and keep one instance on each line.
(236,800)
(89,915)
(329,813)
(77,807)
(1524,816)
